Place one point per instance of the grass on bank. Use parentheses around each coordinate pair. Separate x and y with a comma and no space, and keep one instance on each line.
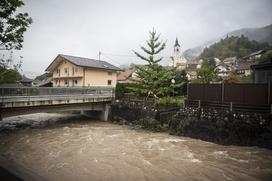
(170,101)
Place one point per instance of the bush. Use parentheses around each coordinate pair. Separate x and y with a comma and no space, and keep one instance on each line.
(123,88)
(150,124)
(231,79)
(179,124)
(176,101)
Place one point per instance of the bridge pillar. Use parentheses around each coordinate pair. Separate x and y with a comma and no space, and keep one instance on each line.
(98,112)
(105,113)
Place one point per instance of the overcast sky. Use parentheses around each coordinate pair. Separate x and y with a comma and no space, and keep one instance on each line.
(83,27)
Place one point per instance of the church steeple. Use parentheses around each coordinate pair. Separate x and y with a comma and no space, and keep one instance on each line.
(178,58)
(176,43)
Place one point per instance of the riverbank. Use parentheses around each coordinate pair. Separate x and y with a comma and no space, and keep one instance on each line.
(218,126)
(92,150)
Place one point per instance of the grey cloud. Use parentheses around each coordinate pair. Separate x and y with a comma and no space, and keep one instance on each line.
(84,27)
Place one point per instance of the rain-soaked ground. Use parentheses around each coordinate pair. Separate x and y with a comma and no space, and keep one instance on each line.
(92,150)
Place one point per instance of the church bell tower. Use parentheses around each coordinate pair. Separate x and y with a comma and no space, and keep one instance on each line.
(178,58)
(177,54)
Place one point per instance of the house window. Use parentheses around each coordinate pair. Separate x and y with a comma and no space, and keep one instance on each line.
(58,72)
(109,82)
(66,71)
(74,82)
(109,73)
(66,83)
(74,70)
(57,82)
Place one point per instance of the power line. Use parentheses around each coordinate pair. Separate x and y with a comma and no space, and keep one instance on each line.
(119,55)
(107,56)
(111,59)
(124,55)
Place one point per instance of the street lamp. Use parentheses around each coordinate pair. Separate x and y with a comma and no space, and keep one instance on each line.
(173,81)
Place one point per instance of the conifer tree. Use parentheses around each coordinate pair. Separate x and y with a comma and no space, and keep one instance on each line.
(154,80)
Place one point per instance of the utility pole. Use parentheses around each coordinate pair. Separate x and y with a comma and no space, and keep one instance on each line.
(99,55)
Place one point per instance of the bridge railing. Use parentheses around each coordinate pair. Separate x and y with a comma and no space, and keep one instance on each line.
(51,91)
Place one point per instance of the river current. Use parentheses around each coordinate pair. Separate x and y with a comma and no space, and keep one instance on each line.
(93,150)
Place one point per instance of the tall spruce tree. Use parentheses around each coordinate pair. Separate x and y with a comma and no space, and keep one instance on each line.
(154,80)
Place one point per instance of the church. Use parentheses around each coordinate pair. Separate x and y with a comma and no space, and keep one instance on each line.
(178,60)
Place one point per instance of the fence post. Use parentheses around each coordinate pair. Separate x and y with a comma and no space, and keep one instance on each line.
(222,92)
(188,90)
(230,106)
(268,94)
(199,110)
(2,93)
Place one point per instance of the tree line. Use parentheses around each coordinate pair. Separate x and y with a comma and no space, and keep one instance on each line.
(12,28)
(233,47)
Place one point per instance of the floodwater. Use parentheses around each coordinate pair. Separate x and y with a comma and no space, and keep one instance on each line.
(92,150)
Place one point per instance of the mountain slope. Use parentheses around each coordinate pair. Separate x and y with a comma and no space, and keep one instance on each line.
(233,46)
(263,34)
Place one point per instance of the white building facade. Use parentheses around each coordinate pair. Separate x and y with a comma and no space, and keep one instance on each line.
(178,59)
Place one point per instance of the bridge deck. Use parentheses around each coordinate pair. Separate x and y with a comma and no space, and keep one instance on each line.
(25,100)
(35,96)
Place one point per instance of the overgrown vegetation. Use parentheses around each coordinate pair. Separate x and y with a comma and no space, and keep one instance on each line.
(12,29)
(233,46)
(266,57)
(9,76)
(171,101)
(122,89)
(43,76)
(206,75)
(9,72)
(150,124)
(247,79)
(231,79)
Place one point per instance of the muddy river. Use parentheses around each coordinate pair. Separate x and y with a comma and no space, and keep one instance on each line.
(92,150)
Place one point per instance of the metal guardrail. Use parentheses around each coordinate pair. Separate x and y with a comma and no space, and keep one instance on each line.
(37,91)
(9,94)
(228,106)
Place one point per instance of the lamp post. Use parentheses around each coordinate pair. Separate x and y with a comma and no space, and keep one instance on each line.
(173,81)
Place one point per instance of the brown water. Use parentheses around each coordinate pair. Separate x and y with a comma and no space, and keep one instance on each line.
(103,151)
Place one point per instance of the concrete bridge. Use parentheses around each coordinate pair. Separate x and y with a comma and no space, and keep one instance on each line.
(93,101)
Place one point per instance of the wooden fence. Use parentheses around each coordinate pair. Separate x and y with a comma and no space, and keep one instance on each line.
(253,97)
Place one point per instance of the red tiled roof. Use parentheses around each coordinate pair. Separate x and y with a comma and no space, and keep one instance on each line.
(193,62)
(244,66)
(230,59)
(125,74)
(181,64)
(192,73)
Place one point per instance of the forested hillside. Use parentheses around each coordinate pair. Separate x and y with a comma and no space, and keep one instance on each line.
(233,46)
